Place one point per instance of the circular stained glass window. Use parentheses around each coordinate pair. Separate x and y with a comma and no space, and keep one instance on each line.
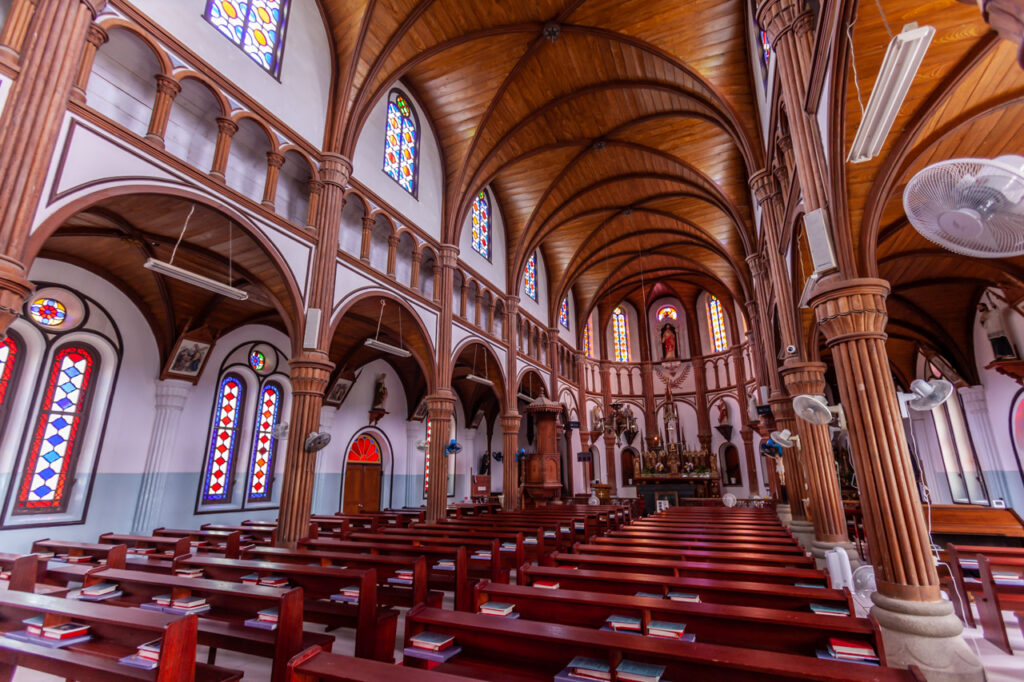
(48,312)
(257,360)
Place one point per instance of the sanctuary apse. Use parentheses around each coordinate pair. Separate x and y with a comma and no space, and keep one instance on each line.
(282,260)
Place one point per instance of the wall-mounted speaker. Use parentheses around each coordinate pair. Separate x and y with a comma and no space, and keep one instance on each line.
(309,340)
(819,240)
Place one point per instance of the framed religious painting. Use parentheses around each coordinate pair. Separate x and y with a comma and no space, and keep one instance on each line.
(189,356)
(338,391)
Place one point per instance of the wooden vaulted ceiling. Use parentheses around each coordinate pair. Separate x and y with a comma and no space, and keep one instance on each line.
(966,101)
(632,133)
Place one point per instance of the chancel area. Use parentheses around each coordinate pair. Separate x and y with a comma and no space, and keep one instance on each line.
(636,340)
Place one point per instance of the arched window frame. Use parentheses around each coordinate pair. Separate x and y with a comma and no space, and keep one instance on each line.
(530,277)
(620,335)
(12,352)
(207,494)
(563,313)
(266,449)
(667,311)
(481,220)
(716,325)
(245,32)
(393,169)
(588,343)
(358,442)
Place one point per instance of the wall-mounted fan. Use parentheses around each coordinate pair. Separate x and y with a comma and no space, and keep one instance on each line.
(786,438)
(927,395)
(452,448)
(729,500)
(814,409)
(970,206)
(317,441)
(280,431)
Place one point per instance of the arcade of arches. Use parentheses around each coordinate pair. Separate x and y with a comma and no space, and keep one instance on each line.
(547,253)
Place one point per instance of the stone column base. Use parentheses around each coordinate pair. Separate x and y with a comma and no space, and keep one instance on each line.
(819,547)
(803,531)
(785,514)
(928,635)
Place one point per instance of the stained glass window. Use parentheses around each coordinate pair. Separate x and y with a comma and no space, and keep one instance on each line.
(8,358)
(426,464)
(667,311)
(530,280)
(44,482)
(482,225)
(261,471)
(620,334)
(716,325)
(401,143)
(257,360)
(766,49)
(563,313)
(588,345)
(223,441)
(364,450)
(48,312)
(255,26)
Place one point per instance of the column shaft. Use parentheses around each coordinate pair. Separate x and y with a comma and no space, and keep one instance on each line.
(510,470)
(171,396)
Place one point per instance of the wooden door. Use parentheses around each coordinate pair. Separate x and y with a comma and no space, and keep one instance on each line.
(362,487)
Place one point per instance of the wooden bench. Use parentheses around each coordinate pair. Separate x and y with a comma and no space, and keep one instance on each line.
(251,534)
(26,573)
(374,625)
(227,542)
(508,557)
(317,665)
(743,593)
(996,598)
(112,555)
(768,629)
(503,649)
(148,545)
(971,524)
(116,633)
(963,583)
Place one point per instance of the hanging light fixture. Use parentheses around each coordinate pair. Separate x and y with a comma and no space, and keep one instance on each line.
(376,344)
(473,376)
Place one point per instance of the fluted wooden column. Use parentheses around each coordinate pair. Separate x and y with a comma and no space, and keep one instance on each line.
(226,129)
(768,352)
(14,30)
(316,189)
(439,411)
(94,38)
(29,127)
(364,245)
(816,458)
(745,433)
(274,163)
(170,398)
(441,405)
(609,434)
(392,255)
(166,90)
(766,191)
(782,411)
(509,468)
(584,418)
(553,362)
(414,276)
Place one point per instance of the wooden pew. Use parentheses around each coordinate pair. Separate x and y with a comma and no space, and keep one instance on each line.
(963,583)
(148,545)
(27,573)
(116,632)
(720,570)
(531,543)
(749,558)
(726,546)
(547,534)
(503,649)
(206,540)
(473,542)
(385,566)
(223,626)
(112,555)
(764,629)
(316,665)
(251,534)
(996,598)
(374,625)
(971,524)
(713,591)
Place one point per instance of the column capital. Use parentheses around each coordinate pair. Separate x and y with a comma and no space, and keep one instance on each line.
(95,6)
(369,221)
(335,169)
(440,405)
(803,377)
(310,373)
(764,185)
(315,187)
(96,35)
(165,85)
(510,422)
(851,309)
(226,126)
(173,393)
(14,289)
(778,17)
(448,255)
(784,143)
(275,160)
(393,240)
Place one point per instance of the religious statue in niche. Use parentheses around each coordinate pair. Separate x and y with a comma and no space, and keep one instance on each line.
(380,399)
(992,321)
(723,412)
(671,418)
(668,342)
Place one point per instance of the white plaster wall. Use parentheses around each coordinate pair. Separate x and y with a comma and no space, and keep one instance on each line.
(122,84)
(492,271)
(300,98)
(192,127)
(368,164)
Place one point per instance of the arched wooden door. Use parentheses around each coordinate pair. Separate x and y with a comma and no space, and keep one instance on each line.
(363,473)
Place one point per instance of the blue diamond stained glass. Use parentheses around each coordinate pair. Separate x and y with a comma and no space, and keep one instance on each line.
(255,26)
(716,325)
(401,152)
(44,481)
(530,277)
(224,434)
(563,313)
(48,312)
(620,334)
(264,448)
(482,226)
(257,360)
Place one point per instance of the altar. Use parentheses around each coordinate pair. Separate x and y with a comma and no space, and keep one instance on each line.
(672,488)
(674,472)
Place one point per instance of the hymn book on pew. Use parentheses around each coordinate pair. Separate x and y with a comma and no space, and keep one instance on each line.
(617,623)
(99,592)
(497,608)
(403,576)
(586,668)
(685,597)
(845,650)
(348,595)
(146,657)
(632,671)
(432,646)
(826,610)
(546,584)
(666,630)
(188,572)
(46,631)
(265,620)
(445,565)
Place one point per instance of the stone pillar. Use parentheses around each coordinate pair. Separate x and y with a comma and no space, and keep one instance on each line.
(226,129)
(918,626)
(510,471)
(15,28)
(274,163)
(96,37)
(171,395)
(364,245)
(976,412)
(439,411)
(29,127)
(818,465)
(166,90)
(392,255)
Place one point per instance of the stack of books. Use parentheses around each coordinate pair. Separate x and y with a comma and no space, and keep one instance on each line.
(550,534)
(579,525)
(583,668)
(34,625)
(250,579)
(50,636)
(507,547)
(546,584)
(432,646)
(348,595)
(530,540)
(44,556)
(143,550)
(445,565)
(565,529)
(147,656)
(666,630)
(274,581)
(497,608)
(846,650)
(264,620)
(1007,578)
(73,558)
(99,592)
(826,610)
(187,605)
(162,600)
(188,572)
(617,623)
(482,554)
(631,671)
(691,597)
(403,576)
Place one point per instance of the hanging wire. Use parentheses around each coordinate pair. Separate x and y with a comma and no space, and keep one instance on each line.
(182,235)
(884,20)
(853,65)
(380,317)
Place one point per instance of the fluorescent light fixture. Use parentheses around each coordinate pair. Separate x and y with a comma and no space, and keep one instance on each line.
(386,348)
(902,59)
(195,279)
(523,396)
(479,379)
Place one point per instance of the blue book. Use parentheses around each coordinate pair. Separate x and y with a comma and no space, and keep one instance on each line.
(649,595)
(596,665)
(617,622)
(137,661)
(824,654)
(260,624)
(817,587)
(826,610)
(436,656)
(666,627)
(632,671)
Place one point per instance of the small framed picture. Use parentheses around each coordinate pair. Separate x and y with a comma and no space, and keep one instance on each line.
(671,497)
(339,389)
(189,356)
